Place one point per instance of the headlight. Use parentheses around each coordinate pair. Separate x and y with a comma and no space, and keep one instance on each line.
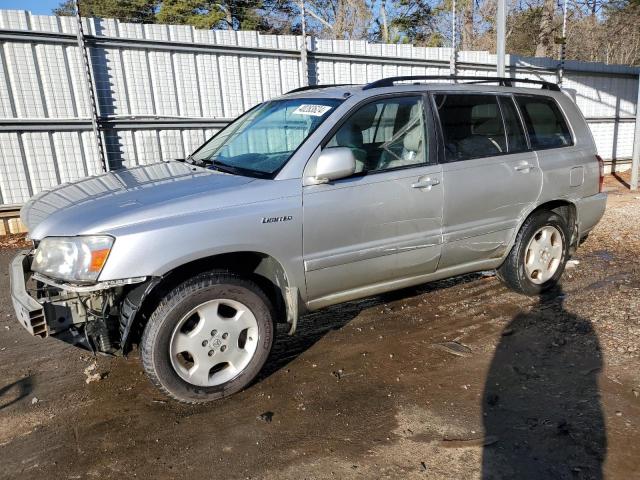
(74,259)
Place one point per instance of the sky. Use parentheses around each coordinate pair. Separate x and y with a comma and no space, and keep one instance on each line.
(39,7)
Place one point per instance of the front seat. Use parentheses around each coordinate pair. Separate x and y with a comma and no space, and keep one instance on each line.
(351,134)
(487,138)
(410,152)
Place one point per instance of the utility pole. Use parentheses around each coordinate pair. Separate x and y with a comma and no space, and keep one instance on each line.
(454,54)
(501,20)
(92,96)
(303,50)
(635,159)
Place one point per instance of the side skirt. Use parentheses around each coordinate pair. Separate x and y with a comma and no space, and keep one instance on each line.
(383,287)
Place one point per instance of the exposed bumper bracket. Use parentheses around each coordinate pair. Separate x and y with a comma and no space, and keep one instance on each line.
(29,312)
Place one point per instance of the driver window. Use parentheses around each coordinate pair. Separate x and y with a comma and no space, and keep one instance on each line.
(385,135)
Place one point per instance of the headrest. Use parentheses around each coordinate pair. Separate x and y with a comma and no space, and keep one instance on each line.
(489,127)
(349,135)
(364,117)
(548,123)
(413,138)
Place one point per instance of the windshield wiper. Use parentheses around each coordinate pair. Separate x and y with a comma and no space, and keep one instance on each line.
(221,167)
(192,161)
(201,162)
(226,168)
(234,170)
(247,172)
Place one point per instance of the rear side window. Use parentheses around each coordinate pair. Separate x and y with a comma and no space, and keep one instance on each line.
(545,123)
(471,125)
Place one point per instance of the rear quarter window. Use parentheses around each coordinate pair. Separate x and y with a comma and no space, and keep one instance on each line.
(545,122)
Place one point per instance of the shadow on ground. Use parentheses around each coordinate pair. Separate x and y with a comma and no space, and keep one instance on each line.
(15,391)
(541,407)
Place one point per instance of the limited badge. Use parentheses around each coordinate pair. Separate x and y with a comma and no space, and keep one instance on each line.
(286,218)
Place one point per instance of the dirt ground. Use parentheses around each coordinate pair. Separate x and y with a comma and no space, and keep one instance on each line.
(456,379)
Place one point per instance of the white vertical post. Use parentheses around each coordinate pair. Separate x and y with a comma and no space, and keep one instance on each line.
(454,47)
(501,20)
(635,159)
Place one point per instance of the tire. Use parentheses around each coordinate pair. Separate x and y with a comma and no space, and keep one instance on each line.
(208,314)
(518,271)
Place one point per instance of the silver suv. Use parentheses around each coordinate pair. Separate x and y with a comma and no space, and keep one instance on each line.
(321,196)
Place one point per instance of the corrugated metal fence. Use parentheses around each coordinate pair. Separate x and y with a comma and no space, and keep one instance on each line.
(163,89)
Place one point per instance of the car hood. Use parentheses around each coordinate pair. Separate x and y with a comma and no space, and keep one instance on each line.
(105,202)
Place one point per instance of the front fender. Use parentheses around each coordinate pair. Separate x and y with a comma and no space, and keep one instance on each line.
(129,308)
(155,249)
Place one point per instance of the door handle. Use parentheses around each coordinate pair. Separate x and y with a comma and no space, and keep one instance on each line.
(425,183)
(524,168)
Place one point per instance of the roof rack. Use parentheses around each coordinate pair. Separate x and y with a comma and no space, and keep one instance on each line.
(503,81)
(315,87)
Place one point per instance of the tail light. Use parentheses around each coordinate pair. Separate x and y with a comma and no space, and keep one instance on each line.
(601,165)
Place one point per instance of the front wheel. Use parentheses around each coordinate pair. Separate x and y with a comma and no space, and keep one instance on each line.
(539,254)
(208,338)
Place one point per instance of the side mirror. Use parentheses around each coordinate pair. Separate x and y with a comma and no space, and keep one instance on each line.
(335,163)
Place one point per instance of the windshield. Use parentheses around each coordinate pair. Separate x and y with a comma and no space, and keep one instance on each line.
(260,142)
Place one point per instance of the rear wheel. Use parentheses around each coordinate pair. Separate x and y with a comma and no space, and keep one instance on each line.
(208,338)
(539,255)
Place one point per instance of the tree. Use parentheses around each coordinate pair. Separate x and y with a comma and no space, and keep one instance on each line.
(413,22)
(467,24)
(343,19)
(612,38)
(545,37)
(231,14)
(133,11)
(192,12)
(523,30)
(385,24)
(597,30)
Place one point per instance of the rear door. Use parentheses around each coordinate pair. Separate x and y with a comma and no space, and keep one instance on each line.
(491,175)
(384,223)
(564,162)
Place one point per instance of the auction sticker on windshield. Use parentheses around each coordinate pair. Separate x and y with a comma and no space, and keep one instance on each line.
(314,110)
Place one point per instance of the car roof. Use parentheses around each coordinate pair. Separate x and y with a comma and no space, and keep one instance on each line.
(426,83)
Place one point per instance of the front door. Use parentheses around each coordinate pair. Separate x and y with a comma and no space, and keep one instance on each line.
(491,176)
(384,223)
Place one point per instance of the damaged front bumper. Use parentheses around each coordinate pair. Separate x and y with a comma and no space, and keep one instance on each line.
(97,317)
(30,313)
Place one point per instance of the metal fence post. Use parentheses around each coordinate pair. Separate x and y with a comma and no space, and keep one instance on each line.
(563,45)
(92,96)
(303,50)
(635,159)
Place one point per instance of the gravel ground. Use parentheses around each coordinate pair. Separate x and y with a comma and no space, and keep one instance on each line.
(456,379)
